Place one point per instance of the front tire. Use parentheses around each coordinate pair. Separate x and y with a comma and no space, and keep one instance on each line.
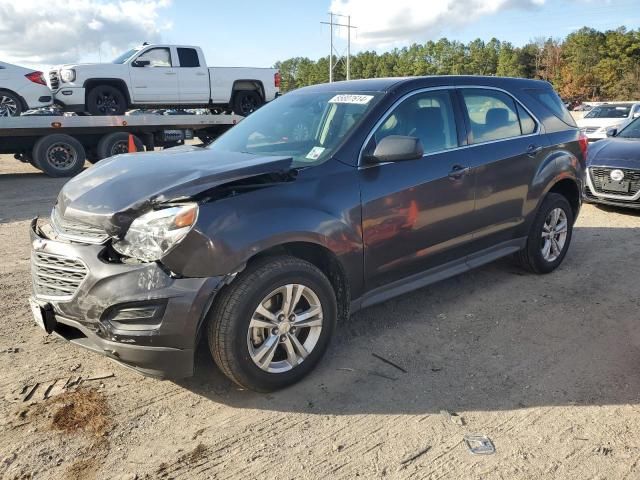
(549,236)
(272,325)
(106,100)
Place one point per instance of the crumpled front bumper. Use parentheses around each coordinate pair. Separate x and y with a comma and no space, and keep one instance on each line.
(164,348)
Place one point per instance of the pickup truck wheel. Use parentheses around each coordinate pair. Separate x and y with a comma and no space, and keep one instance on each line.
(246,102)
(106,100)
(115,144)
(58,155)
(272,324)
(10,105)
(549,237)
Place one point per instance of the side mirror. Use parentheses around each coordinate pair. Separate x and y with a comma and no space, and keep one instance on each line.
(636,115)
(612,132)
(396,148)
(141,63)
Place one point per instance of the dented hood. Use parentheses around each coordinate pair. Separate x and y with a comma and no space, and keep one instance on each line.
(118,189)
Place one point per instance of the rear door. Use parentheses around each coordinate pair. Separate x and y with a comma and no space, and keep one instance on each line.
(505,151)
(417,214)
(193,77)
(157,80)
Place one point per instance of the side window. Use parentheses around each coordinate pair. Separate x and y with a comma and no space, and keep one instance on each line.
(188,57)
(428,116)
(527,123)
(157,57)
(492,115)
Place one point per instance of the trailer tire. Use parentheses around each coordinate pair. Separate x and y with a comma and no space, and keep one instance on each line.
(246,102)
(59,155)
(106,100)
(116,143)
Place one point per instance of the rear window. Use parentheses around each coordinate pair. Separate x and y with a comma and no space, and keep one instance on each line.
(188,57)
(551,100)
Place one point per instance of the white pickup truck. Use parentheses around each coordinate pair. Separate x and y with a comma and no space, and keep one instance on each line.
(161,75)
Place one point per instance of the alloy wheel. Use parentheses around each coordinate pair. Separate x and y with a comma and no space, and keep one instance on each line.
(8,106)
(554,234)
(285,328)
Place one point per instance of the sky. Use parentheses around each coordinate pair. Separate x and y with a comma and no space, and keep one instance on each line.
(259,33)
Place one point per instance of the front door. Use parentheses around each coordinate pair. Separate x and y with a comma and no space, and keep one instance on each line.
(155,79)
(416,214)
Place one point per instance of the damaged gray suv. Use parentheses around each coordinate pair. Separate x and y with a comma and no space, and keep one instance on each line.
(330,199)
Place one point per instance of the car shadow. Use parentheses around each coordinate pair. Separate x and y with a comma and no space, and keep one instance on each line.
(496,338)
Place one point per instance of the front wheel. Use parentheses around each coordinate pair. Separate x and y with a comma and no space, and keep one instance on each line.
(549,237)
(272,325)
(106,100)
(58,155)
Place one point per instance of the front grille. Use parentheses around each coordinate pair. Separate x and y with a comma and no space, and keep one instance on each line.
(590,129)
(76,230)
(56,276)
(54,81)
(600,174)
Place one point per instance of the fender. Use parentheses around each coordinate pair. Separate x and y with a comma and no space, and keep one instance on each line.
(231,231)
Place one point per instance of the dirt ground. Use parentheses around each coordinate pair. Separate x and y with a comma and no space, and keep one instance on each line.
(546,366)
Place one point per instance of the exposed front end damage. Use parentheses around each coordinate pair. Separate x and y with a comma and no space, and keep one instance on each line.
(139,313)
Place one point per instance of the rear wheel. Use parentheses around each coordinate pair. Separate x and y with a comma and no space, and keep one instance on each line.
(10,105)
(549,237)
(106,100)
(58,155)
(246,102)
(115,144)
(272,325)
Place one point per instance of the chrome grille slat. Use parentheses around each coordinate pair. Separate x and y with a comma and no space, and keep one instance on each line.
(56,276)
(600,174)
(76,230)
(54,81)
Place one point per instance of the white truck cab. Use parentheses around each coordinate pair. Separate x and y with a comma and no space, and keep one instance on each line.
(161,75)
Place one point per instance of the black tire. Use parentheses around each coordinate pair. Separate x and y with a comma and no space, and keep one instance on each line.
(531,258)
(10,104)
(228,320)
(106,100)
(246,101)
(115,144)
(58,155)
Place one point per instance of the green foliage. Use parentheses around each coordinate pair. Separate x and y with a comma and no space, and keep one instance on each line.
(586,65)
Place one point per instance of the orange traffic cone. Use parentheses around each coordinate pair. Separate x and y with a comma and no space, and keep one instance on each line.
(132,145)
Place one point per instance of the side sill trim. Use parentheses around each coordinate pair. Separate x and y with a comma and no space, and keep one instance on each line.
(436,274)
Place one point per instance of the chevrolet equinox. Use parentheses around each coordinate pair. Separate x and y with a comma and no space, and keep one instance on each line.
(327,200)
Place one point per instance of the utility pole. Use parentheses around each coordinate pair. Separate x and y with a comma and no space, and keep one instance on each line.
(332,49)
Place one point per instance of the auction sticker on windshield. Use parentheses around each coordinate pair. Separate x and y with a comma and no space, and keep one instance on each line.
(350,98)
(315,153)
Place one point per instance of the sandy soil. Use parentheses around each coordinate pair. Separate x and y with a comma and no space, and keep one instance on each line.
(546,366)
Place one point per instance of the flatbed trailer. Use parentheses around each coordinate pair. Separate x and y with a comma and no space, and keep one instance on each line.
(59,145)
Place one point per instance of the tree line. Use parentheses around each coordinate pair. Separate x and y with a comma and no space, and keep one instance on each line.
(586,65)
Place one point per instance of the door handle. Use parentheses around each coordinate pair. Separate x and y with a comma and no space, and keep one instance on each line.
(458,171)
(533,150)
(169,73)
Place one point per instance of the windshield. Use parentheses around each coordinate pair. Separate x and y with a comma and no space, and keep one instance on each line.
(631,131)
(609,111)
(125,56)
(306,126)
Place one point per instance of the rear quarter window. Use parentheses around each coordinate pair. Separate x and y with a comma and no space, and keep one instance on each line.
(551,101)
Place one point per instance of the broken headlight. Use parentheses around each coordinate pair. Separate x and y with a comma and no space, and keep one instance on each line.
(153,234)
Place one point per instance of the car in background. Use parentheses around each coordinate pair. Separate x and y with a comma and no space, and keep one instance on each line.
(330,199)
(603,117)
(613,168)
(22,89)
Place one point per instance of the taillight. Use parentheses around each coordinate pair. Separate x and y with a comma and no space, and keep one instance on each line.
(36,77)
(583,141)
(276,79)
